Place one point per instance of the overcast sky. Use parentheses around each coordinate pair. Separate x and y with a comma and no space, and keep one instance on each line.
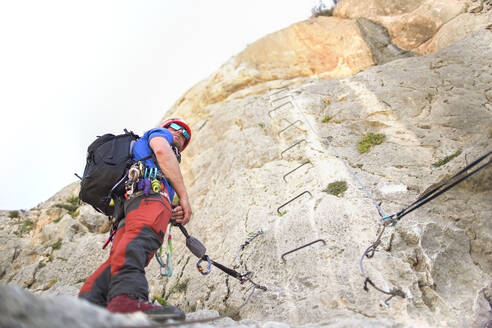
(72,70)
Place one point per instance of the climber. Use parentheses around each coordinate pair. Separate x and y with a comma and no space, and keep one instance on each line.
(119,283)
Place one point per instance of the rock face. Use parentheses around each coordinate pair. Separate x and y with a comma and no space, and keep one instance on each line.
(423,25)
(322,46)
(382,48)
(410,23)
(20,308)
(359,35)
(439,256)
(457,29)
(275,148)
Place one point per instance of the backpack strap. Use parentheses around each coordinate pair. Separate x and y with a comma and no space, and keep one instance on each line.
(146,157)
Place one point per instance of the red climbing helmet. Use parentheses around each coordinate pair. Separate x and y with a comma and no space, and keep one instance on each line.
(182,124)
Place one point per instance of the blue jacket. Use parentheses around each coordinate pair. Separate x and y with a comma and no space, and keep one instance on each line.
(142,149)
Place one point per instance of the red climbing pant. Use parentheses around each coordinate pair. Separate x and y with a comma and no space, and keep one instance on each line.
(137,239)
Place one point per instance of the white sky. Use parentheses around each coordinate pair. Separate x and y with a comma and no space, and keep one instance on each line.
(72,70)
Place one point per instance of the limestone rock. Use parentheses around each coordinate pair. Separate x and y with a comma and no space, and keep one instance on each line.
(454,30)
(322,46)
(382,48)
(410,22)
(20,308)
(95,222)
(263,154)
(428,108)
(66,228)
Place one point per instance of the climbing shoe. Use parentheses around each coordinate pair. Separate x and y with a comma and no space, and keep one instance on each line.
(129,304)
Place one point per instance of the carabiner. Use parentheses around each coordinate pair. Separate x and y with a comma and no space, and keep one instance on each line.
(389,219)
(169,250)
(168,266)
(133,173)
(209,265)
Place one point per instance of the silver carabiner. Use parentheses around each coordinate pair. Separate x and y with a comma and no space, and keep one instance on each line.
(209,265)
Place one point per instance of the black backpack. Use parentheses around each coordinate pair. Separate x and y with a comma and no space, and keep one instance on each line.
(108,159)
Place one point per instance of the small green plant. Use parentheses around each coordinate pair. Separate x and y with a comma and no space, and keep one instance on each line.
(27,226)
(326,119)
(57,219)
(282,213)
(446,159)
(181,287)
(369,140)
(74,200)
(41,265)
(13,214)
(57,244)
(69,207)
(159,300)
(336,188)
(261,125)
(178,287)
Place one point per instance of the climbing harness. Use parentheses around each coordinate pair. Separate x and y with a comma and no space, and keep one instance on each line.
(143,178)
(425,198)
(140,180)
(168,266)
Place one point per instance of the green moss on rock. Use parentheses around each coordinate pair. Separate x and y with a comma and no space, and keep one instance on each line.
(446,159)
(336,188)
(370,140)
(159,300)
(326,119)
(27,226)
(57,244)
